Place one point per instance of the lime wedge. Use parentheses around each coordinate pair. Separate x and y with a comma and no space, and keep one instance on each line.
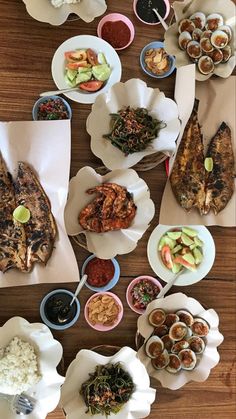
(208,163)
(21,214)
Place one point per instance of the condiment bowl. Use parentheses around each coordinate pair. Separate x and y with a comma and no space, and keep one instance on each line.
(114,17)
(98,326)
(167,7)
(171,59)
(41,100)
(44,316)
(135,281)
(111,283)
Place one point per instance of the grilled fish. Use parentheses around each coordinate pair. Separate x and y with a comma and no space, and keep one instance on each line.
(220,181)
(40,230)
(187,177)
(12,235)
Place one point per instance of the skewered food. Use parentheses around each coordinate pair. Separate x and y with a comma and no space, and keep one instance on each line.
(112,209)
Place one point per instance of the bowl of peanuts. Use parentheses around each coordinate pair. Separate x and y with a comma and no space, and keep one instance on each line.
(103,311)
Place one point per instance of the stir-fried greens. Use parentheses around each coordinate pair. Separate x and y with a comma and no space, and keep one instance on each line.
(107,389)
(133,129)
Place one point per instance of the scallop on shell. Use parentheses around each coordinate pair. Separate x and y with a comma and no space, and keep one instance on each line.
(219,39)
(216,55)
(178,331)
(179,346)
(174,364)
(196,35)
(206,45)
(154,346)
(199,19)
(188,359)
(157,317)
(185,317)
(205,65)
(168,342)
(196,344)
(186,25)
(206,34)
(160,330)
(171,318)
(161,361)
(227,29)
(214,21)
(227,52)
(184,39)
(200,327)
(194,49)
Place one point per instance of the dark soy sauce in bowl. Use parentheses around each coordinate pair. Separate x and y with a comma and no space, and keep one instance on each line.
(145,12)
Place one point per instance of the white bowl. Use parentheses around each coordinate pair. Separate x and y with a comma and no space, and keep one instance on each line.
(210,357)
(134,93)
(139,404)
(83,42)
(187,277)
(49,353)
(108,245)
(43,10)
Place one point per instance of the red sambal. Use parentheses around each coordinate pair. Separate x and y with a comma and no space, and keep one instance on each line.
(116,33)
(99,271)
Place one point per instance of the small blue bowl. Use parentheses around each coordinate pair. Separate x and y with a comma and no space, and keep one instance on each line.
(111,283)
(44,99)
(62,326)
(156,44)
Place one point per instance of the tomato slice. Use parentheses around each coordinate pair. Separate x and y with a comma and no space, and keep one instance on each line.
(92,57)
(76,64)
(91,86)
(166,257)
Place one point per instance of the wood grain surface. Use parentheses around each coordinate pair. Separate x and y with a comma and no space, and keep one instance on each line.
(26,48)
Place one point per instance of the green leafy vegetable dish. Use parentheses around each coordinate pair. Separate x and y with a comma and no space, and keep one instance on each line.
(107,389)
(133,129)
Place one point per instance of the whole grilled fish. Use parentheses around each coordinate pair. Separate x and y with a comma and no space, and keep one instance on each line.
(187,177)
(220,181)
(12,235)
(40,230)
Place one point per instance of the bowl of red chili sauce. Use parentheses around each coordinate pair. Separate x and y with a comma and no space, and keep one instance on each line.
(141,291)
(117,30)
(103,274)
(50,108)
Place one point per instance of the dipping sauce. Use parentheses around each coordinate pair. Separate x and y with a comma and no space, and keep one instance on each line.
(99,271)
(145,12)
(116,33)
(52,109)
(143,293)
(58,305)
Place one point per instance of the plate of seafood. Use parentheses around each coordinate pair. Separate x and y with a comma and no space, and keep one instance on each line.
(181,340)
(135,121)
(29,356)
(204,34)
(112,211)
(129,380)
(57,12)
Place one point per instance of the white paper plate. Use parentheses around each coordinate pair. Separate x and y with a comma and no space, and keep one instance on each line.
(85,362)
(49,352)
(134,93)
(188,277)
(83,42)
(210,357)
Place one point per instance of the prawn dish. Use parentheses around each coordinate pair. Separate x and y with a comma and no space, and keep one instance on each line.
(112,209)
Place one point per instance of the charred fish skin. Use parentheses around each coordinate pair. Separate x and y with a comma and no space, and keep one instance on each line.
(41,228)
(12,235)
(220,181)
(187,177)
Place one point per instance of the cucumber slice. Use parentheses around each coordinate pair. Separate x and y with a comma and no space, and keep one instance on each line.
(198,242)
(71,74)
(170,242)
(189,231)
(102,58)
(175,235)
(69,82)
(192,246)
(101,72)
(176,268)
(189,258)
(161,243)
(82,77)
(84,69)
(21,214)
(177,248)
(186,239)
(198,256)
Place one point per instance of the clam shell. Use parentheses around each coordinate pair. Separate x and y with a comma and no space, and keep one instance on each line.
(188,359)
(154,346)
(184,39)
(196,344)
(171,318)
(174,364)
(161,361)
(196,35)
(178,331)
(227,52)
(194,49)
(160,330)
(217,56)
(179,346)
(200,327)
(185,317)
(206,65)
(213,21)
(199,19)
(219,39)
(227,29)
(186,25)
(168,342)
(157,317)
(206,45)
(206,34)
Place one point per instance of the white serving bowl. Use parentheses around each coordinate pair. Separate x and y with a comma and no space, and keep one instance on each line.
(210,357)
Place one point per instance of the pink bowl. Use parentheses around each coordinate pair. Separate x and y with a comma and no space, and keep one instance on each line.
(132,284)
(112,17)
(100,327)
(147,23)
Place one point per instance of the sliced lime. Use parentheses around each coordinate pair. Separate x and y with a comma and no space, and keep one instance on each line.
(21,214)
(208,163)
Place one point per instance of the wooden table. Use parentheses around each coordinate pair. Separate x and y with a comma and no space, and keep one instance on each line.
(27,47)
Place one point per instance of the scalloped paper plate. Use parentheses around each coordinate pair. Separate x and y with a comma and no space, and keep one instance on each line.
(108,245)
(226,8)
(85,362)
(49,352)
(210,356)
(43,10)
(134,93)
